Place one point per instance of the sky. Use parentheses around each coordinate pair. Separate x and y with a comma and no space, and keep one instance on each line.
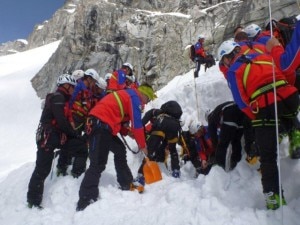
(18,18)
(220,198)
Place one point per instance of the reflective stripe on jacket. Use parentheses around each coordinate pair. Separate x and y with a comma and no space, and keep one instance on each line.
(248,74)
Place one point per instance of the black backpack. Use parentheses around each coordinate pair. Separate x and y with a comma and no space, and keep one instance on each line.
(192,52)
(285,28)
(172,108)
(209,61)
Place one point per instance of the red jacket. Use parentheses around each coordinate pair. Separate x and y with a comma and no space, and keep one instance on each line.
(288,59)
(206,147)
(244,85)
(250,47)
(119,107)
(117,81)
(203,144)
(199,50)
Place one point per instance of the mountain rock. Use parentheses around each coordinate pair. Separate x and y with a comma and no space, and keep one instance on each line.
(12,47)
(150,34)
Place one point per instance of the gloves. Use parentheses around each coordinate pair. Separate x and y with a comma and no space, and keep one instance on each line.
(124,131)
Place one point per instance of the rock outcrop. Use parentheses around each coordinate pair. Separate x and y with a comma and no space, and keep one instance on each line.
(150,34)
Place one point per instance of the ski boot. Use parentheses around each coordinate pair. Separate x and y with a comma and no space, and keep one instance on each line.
(176,173)
(273,200)
(138,183)
(31,206)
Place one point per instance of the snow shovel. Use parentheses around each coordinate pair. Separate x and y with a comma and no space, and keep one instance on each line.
(151,171)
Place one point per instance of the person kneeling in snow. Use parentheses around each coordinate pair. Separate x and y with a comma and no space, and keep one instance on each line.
(199,149)
(164,133)
(226,127)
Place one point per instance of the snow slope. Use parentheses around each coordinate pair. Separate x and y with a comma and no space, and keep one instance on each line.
(233,198)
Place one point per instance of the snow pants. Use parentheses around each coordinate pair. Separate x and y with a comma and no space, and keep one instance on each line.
(101,141)
(77,149)
(229,135)
(265,136)
(44,158)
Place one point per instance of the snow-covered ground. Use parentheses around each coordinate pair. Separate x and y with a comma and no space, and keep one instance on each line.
(233,198)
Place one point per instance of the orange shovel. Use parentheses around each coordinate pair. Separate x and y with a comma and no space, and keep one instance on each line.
(151,171)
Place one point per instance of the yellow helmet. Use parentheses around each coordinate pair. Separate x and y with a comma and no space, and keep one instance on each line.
(147,90)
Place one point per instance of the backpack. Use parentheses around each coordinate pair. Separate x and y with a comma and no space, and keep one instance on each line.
(189,52)
(284,29)
(192,52)
(209,61)
(172,108)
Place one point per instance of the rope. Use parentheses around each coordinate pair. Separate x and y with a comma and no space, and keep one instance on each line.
(276,119)
(196,96)
(127,145)
(298,3)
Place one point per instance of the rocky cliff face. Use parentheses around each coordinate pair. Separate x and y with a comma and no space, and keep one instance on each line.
(150,34)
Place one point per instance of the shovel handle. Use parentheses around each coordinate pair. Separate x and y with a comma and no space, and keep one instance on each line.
(146,157)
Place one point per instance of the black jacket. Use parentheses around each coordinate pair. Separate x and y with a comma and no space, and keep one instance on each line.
(227,112)
(53,114)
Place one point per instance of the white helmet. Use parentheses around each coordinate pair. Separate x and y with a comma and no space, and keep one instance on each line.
(65,79)
(77,74)
(93,73)
(201,36)
(101,83)
(194,127)
(252,30)
(131,78)
(107,76)
(226,47)
(128,65)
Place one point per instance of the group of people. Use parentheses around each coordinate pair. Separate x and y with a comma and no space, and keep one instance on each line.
(220,141)
(84,116)
(258,86)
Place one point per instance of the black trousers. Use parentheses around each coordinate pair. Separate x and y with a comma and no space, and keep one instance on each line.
(44,158)
(265,136)
(229,135)
(101,141)
(156,148)
(198,60)
(77,149)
